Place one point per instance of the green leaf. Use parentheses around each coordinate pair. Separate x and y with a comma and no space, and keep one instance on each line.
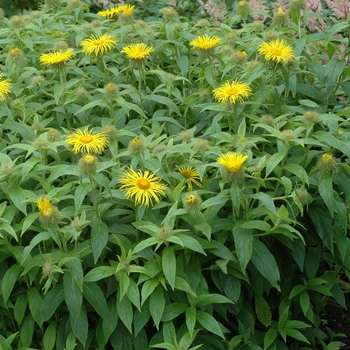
(191,243)
(99,273)
(173,310)
(125,313)
(80,193)
(298,171)
(213,298)
(28,221)
(124,282)
(26,332)
(133,294)
(20,308)
(52,301)
(50,336)
(266,200)
(8,281)
(165,101)
(42,236)
(80,326)
(18,197)
(270,337)
(209,323)
(325,187)
(90,105)
(265,263)
(35,305)
(99,239)
(127,106)
(304,300)
(4,227)
(243,239)
(157,305)
(73,295)
(110,322)
(148,288)
(191,319)
(263,311)
(94,295)
(169,265)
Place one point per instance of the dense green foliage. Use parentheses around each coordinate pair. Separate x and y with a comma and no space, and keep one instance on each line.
(252,263)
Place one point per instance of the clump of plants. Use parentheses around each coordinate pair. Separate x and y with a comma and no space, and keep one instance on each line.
(173,184)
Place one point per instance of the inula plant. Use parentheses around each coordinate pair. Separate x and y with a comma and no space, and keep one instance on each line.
(174,175)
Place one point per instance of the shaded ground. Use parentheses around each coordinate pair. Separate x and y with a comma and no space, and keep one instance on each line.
(338,320)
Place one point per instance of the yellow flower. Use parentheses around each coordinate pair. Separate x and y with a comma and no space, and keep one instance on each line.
(143,186)
(276,51)
(232,92)
(232,161)
(205,42)
(138,51)
(85,141)
(127,10)
(49,214)
(98,44)
(5,87)
(44,206)
(191,175)
(57,58)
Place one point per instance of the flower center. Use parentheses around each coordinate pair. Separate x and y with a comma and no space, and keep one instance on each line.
(143,184)
(47,212)
(186,174)
(86,139)
(327,157)
(231,91)
(276,52)
(98,42)
(190,198)
(89,159)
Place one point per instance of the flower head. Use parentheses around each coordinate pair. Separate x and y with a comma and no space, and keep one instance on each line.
(136,146)
(49,214)
(232,161)
(191,175)
(327,164)
(205,43)
(276,51)
(57,58)
(5,87)
(127,10)
(85,141)
(232,92)
(98,44)
(137,52)
(88,164)
(15,55)
(143,186)
(192,202)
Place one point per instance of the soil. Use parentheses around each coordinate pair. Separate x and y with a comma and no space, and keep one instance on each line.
(338,320)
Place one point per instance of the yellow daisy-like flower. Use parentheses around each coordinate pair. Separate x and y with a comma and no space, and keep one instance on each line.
(232,92)
(98,44)
(143,186)
(44,206)
(113,12)
(49,214)
(205,42)
(276,51)
(191,175)
(127,10)
(232,161)
(85,141)
(5,87)
(137,52)
(57,58)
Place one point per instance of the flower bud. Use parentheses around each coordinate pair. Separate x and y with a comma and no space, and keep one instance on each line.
(309,118)
(110,90)
(16,22)
(136,146)
(40,143)
(88,164)
(47,268)
(186,135)
(53,135)
(327,164)
(280,18)
(243,9)
(60,45)
(111,131)
(192,202)
(201,145)
(164,233)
